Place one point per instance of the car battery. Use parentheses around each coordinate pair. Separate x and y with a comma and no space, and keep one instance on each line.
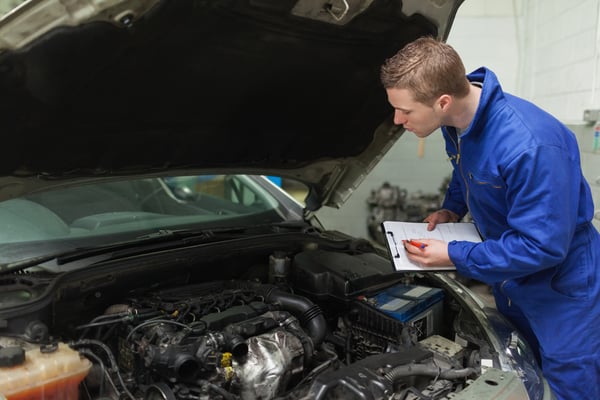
(419,306)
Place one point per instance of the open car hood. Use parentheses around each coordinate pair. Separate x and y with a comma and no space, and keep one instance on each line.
(95,89)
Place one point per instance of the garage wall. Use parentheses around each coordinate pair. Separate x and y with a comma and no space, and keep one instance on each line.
(560,67)
(543,50)
(561,70)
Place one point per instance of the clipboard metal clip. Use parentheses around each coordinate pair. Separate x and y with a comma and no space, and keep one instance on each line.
(397,255)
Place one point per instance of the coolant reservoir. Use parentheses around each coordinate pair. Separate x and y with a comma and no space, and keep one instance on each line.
(43,373)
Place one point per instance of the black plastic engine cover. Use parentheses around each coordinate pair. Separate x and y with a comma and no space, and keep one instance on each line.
(321,273)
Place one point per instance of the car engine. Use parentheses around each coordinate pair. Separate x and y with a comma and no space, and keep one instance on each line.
(310,324)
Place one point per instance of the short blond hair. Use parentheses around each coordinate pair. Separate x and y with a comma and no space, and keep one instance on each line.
(428,68)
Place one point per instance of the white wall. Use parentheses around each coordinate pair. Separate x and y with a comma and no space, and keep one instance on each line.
(547,51)
(560,67)
(487,33)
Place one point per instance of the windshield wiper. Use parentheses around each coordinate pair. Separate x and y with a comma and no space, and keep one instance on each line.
(161,236)
(180,237)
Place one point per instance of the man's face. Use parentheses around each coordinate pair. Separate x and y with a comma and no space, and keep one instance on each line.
(419,118)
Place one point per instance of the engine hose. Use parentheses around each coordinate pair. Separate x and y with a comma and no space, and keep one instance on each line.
(111,358)
(309,314)
(291,324)
(403,371)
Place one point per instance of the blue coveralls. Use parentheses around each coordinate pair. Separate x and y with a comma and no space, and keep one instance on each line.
(517,170)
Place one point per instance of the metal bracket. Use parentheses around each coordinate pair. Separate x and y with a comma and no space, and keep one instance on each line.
(331,9)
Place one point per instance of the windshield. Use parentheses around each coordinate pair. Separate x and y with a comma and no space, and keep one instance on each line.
(7,6)
(103,213)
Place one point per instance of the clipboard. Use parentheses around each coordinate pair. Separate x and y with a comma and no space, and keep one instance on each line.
(397,231)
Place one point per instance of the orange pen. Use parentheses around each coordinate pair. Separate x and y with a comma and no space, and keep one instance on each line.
(417,244)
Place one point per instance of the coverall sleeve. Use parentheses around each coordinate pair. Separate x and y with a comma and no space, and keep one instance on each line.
(542,194)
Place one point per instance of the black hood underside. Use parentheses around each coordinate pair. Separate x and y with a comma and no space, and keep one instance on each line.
(199,84)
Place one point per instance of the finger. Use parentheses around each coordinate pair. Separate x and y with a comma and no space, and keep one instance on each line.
(431,225)
(409,247)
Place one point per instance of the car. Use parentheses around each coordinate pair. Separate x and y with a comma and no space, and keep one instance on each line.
(146,251)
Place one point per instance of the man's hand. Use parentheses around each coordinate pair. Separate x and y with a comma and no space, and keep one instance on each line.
(440,217)
(434,254)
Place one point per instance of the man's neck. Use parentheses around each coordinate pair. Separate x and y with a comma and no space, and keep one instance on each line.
(464,109)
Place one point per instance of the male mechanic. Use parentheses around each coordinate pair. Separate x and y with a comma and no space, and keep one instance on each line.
(517,171)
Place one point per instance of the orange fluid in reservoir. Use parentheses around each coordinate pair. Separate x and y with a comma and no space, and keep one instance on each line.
(45,376)
(62,389)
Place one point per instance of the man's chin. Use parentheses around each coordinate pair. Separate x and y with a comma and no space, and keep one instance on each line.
(420,134)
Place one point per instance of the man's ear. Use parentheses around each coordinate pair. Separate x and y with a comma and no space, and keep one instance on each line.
(444,102)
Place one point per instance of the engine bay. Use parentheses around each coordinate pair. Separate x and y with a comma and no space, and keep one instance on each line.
(317,323)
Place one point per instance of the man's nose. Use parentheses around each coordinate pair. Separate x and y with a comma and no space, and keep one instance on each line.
(399,119)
